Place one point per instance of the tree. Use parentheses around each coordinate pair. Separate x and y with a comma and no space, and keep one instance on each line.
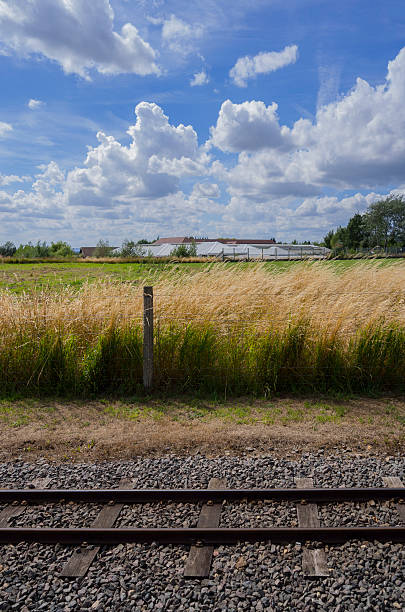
(339,239)
(103,249)
(327,241)
(61,249)
(7,249)
(355,232)
(131,249)
(31,251)
(182,250)
(385,221)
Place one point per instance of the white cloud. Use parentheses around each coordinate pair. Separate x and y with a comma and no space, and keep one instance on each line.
(77,34)
(357,142)
(9,179)
(206,190)
(249,126)
(45,200)
(148,168)
(199,78)
(5,128)
(248,67)
(329,82)
(354,150)
(35,104)
(180,36)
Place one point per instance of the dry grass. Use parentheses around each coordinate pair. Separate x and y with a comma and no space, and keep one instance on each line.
(91,431)
(225,295)
(253,329)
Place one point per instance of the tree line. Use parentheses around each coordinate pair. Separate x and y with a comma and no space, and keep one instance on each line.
(381,226)
(40,250)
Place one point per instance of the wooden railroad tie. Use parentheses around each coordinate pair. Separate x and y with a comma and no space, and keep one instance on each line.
(83,557)
(15,509)
(198,564)
(393,482)
(314,562)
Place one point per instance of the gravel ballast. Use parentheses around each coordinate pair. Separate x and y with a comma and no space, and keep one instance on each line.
(262,576)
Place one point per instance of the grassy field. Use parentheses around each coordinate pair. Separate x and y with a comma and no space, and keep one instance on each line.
(21,277)
(222,329)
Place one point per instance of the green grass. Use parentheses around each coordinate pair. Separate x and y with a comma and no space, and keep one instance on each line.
(199,359)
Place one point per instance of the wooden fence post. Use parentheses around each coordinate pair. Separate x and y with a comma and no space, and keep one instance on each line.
(147,337)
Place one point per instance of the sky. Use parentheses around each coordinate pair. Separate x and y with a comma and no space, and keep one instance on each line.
(130,119)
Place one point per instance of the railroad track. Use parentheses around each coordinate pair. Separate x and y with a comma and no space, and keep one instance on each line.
(208,533)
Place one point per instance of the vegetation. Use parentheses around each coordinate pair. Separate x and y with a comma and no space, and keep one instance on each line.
(219,329)
(184,250)
(382,226)
(132,249)
(39,250)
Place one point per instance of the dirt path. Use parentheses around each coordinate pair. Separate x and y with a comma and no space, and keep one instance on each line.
(79,431)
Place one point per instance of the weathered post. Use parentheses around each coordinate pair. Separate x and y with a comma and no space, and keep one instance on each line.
(248,254)
(147,337)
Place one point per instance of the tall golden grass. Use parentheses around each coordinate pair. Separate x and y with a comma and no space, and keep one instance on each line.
(208,320)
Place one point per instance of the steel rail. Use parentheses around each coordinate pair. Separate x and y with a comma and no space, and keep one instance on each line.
(135,496)
(199,536)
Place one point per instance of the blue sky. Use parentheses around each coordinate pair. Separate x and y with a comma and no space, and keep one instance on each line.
(128,119)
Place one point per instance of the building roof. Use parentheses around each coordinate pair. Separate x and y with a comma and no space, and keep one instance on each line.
(188,239)
(245,241)
(173,240)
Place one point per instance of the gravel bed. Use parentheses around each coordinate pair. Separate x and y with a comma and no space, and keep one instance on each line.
(159,515)
(259,514)
(57,515)
(370,514)
(363,576)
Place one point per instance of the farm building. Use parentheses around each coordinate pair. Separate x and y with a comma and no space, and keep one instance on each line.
(236,248)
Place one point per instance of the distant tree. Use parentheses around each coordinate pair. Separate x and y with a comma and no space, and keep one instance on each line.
(143,241)
(182,250)
(130,248)
(61,249)
(7,249)
(339,239)
(385,222)
(355,234)
(103,249)
(32,251)
(327,241)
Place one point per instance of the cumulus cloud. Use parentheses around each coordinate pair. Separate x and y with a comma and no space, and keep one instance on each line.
(44,201)
(148,168)
(277,179)
(249,126)
(9,179)
(5,128)
(206,190)
(79,35)
(199,78)
(248,67)
(356,142)
(35,104)
(180,36)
